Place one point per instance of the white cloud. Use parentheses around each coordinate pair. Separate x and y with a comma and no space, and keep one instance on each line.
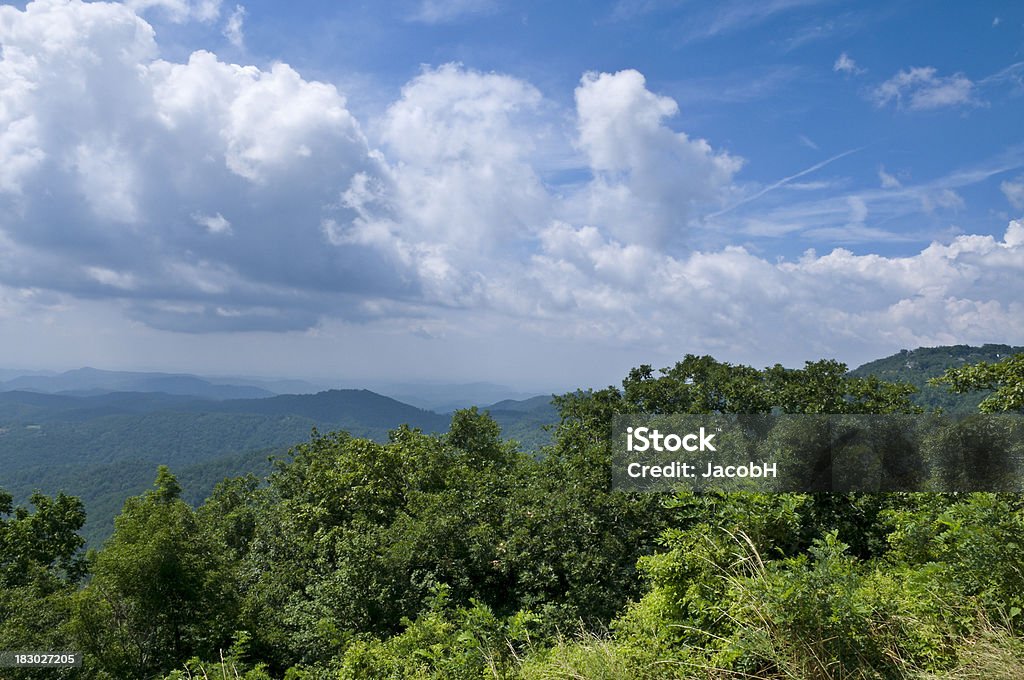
(845,64)
(920,88)
(888,181)
(1014,192)
(207,196)
(110,155)
(233,29)
(19,148)
(215,224)
(106,179)
(460,142)
(648,179)
(265,124)
(839,303)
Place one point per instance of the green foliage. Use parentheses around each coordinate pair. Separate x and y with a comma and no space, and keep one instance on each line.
(104,448)
(973,546)
(40,566)
(230,666)
(704,385)
(457,643)
(154,597)
(462,556)
(356,535)
(918,367)
(1005,378)
(762,585)
(588,656)
(41,545)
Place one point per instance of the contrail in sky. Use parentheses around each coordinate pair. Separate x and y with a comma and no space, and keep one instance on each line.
(784,181)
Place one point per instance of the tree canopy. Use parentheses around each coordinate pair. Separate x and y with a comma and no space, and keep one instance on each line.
(459,555)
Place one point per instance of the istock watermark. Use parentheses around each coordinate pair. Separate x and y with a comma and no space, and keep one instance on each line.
(818,453)
(642,439)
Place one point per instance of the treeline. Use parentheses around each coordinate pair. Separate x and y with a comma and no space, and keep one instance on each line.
(919,366)
(459,556)
(104,448)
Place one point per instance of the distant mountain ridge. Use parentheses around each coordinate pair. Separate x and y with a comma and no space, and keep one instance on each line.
(447,397)
(90,381)
(105,447)
(432,396)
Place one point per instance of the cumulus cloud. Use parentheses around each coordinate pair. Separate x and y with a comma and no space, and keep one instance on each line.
(969,290)
(456,182)
(920,88)
(461,141)
(207,196)
(117,154)
(648,179)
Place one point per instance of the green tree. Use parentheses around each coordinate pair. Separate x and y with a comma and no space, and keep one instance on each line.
(154,597)
(1005,378)
(41,564)
(41,546)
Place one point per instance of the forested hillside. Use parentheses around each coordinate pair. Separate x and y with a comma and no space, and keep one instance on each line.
(103,448)
(457,555)
(101,445)
(916,367)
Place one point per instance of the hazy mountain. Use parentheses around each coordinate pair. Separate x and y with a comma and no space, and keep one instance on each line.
(8,373)
(542,402)
(359,408)
(445,398)
(87,381)
(41,407)
(275,385)
(106,447)
(437,397)
(527,420)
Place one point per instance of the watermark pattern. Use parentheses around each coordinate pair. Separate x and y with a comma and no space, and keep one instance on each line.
(38,659)
(818,453)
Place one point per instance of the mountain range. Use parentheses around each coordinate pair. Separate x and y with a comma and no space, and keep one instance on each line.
(100,434)
(105,446)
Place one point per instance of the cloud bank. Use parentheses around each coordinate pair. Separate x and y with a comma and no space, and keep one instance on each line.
(206,196)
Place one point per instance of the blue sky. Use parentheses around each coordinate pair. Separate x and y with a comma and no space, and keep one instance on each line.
(542,194)
(758,79)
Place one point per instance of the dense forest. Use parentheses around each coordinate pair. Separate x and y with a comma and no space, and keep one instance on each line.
(919,366)
(459,555)
(104,447)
